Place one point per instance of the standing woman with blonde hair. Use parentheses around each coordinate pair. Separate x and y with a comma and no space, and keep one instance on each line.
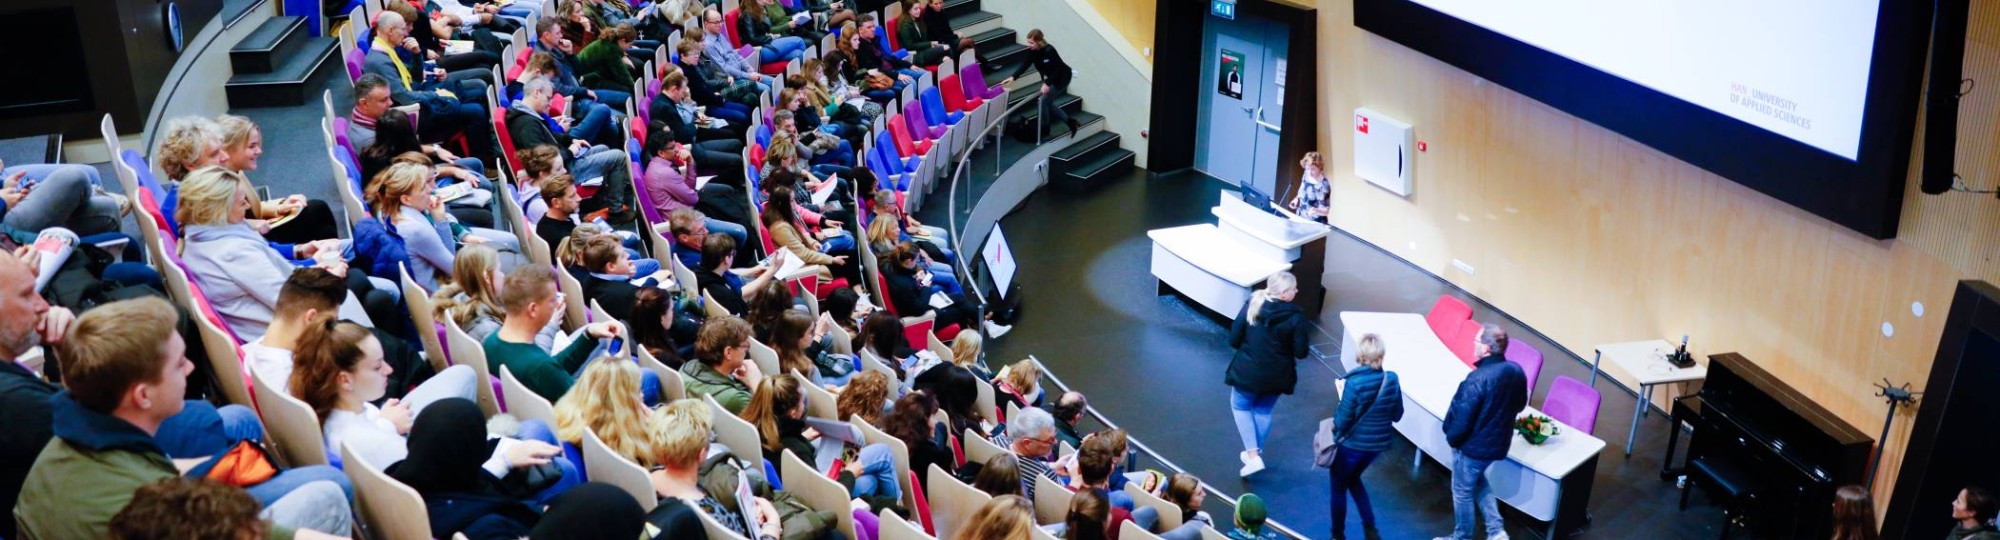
(1269,336)
(1362,428)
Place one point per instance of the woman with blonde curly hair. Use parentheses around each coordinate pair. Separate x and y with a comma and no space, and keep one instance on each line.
(186,144)
(605,401)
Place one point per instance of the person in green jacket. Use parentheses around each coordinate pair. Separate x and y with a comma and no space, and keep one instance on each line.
(531,301)
(126,373)
(720,370)
(603,64)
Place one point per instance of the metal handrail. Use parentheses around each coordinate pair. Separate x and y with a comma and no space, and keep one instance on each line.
(965,269)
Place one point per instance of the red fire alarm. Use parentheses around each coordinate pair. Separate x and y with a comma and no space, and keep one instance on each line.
(1423,146)
(1361,123)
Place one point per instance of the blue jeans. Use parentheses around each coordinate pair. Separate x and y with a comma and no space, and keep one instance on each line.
(733,112)
(943,277)
(878,473)
(291,479)
(599,161)
(537,430)
(613,98)
(38,171)
(1469,487)
(595,119)
(738,232)
(1253,416)
(1348,464)
(783,49)
(202,430)
(838,244)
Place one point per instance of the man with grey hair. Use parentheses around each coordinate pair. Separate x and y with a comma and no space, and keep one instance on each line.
(452,103)
(371,99)
(1480,428)
(1031,435)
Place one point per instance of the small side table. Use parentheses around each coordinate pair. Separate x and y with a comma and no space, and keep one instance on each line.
(1647,362)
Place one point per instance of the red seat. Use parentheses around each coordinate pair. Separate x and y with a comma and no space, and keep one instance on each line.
(506,139)
(1446,314)
(905,145)
(953,92)
(730,18)
(890,29)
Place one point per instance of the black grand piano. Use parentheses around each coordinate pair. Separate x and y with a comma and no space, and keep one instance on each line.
(1764,452)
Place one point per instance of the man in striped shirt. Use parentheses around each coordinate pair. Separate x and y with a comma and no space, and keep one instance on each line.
(1031,435)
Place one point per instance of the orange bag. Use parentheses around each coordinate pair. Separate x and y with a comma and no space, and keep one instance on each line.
(244,465)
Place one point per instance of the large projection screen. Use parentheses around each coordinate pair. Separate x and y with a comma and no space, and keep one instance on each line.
(1809,101)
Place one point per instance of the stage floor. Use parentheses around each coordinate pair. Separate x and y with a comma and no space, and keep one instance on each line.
(1154,366)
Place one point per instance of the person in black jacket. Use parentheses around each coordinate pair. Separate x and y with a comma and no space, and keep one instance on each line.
(530,126)
(1480,428)
(610,282)
(718,150)
(1269,336)
(910,292)
(1055,79)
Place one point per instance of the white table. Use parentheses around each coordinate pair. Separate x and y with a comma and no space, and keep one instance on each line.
(1209,266)
(1646,362)
(1550,481)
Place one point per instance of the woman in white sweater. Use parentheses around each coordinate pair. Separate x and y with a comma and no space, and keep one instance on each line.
(338,371)
(235,267)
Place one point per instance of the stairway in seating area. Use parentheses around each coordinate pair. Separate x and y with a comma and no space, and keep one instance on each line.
(1097,154)
(279,64)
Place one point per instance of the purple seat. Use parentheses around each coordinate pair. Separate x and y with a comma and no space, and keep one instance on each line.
(1529,358)
(354,60)
(340,135)
(1572,402)
(913,118)
(975,83)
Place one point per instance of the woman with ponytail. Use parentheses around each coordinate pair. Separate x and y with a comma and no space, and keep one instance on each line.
(338,371)
(1269,336)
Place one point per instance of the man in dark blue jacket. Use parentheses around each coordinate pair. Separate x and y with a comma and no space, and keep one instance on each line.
(1480,428)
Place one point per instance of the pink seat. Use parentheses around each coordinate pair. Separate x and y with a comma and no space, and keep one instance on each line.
(1446,314)
(1572,402)
(1529,358)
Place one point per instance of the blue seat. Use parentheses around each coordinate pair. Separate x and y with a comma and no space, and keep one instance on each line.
(934,111)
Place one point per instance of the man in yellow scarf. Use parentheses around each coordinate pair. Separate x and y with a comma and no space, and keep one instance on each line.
(452,104)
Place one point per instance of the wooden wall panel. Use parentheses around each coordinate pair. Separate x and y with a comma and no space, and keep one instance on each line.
(1132,18)
(1592,238)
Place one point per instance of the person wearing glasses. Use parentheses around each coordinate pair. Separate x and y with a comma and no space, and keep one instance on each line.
(1031,435)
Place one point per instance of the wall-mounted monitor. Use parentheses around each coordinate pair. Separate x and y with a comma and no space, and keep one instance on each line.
(1810,101)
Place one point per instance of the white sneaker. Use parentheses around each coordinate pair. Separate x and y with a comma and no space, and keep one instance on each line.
(1252,463)
(996,330)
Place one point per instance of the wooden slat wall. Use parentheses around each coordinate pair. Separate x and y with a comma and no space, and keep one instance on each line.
(1592,238)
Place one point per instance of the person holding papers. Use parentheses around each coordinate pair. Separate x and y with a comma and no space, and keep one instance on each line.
(610,279)
(830,247)
(529,123)
(912,293)
(681,435)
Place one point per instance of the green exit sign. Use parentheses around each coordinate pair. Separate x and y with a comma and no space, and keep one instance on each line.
(1222,8)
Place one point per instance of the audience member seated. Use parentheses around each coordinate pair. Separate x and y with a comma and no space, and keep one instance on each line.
(720,369)
(452,104)
(1019,384)
(830,155)
(593,511)
(1091,517)
(727,286)
(1000,475)
(124,372)
(183,507)
(689,229)
(551,39)
(912,292)
(827,247)
(397,139)
(935,241)
(876,54)
(929,443)
(714,149)
(681,433)
(882,335)
(709,85)
(766,307)
(1097,464)
(608,402)
(1184,491)
(884,237)
(661,327)
(240,274)
(967,351)
(403,195)
(783,156)
(847,309)
(609,281)
(371,99)
(187,144)
(539,164)
(716,50)
(866,397)
(915,33)
(558,221)
(1068,411)
(1031,435)
(778,411)
(531,301)
(778,36)
(429,34)
(243,143)
(591,120)
(803,345)
(603,65)
(670,182)
(956,390)
(1005,516)
(58,196)
(529,124)
(340,374)
(937,26)
(451,465)
(1250,516)
(307,296)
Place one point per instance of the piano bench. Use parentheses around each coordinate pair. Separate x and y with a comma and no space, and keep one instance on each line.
(1737,486)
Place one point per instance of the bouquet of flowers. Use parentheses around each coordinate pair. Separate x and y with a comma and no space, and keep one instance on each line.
(1536,428)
